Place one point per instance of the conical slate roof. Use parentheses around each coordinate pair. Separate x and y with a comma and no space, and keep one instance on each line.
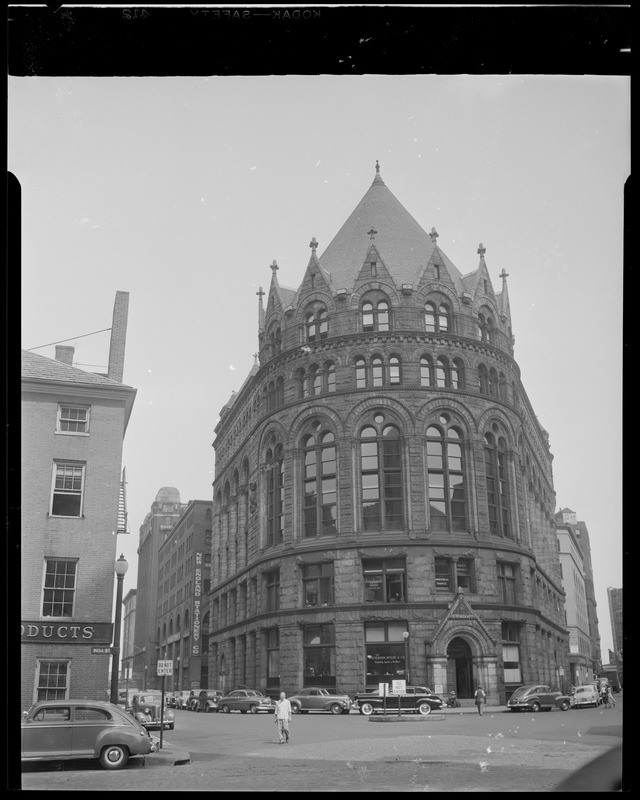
(404,246)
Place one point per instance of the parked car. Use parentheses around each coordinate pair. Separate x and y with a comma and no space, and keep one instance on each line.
(125,697)
(537,697)
(79,729)
(208,700)
(318,699)
(184,698)
(417,699)
(147,707)
(244,700)
(586,695)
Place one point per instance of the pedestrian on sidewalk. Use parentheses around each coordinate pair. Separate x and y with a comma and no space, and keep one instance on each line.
(283,718)
(480,698)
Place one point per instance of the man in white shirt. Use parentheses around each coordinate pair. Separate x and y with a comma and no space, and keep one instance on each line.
(283,718)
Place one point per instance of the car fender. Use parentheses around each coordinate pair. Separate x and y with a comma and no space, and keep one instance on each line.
(121,737)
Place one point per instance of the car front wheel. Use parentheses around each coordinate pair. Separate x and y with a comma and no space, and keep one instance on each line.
(565,705)
(424,709)
(535,706)
(253,709)
(115,756)
(295,708)
(335,708)
(225,709)
(366,709)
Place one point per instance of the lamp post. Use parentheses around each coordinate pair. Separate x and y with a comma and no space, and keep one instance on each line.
(405,636)
(122,566)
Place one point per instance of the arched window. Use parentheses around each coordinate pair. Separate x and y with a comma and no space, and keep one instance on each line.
(319,482)
(275,340)
(279,400)
(441,372)
(395,373)
(495,465)
(377,371)
(457,374)
(486,327)
(502,386)
(436,317)
(381,475)
(275,495)
(316,325)
(483,376)
(330,376)
(315,379)
(445,470)
(361,373)
(375,316)
(493,383)
(426,371)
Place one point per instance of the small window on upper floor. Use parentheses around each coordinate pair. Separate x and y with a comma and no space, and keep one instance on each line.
(73,419)
(375,316)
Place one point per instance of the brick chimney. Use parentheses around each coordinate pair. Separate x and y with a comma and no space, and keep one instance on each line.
(118,336)
(64,353)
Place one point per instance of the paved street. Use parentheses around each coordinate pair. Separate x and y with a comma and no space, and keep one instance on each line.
(453,751)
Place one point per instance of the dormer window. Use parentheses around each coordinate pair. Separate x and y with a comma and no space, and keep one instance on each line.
(374,269)
(375,316)
(436,270)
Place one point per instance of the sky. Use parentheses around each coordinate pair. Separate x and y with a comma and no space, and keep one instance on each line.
(183,190)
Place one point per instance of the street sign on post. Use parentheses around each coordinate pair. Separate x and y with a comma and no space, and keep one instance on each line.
(104,651)
(165,668)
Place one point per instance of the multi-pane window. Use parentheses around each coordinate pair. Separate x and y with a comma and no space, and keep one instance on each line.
(273,657)
(275,340)
(436,317)
(507,583)
(318,643)
(385,580)
(454,573)
(495,464)
(511,652)
(445,472)
(426,371)
(385,652)
(53,680)
(456,374)
(72,419)
(272,590)
(317,325)
(378,373)
(381,475)
(375,316)
(320,483)
(317,380)
(59,588)
(317,584)
(486,328)
(68,485)
(275,495)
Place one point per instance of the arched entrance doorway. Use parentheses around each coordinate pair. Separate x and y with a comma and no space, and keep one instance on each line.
(459,669)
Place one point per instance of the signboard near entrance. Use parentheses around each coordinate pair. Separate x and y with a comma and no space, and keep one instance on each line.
(165,667)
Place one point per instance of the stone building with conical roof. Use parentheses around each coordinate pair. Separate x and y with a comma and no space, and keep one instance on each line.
(383,499)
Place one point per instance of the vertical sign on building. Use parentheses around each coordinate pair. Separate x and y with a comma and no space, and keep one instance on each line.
(197,600)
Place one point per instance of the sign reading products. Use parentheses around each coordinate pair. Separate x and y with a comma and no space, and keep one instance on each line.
(61,632)
(197,594)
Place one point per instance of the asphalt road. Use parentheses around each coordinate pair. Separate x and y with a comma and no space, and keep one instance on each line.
(499,751)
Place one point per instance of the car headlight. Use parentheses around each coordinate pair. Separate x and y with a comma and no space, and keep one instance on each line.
(170,715)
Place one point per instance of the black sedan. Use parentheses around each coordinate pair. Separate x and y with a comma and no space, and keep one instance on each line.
(416,699)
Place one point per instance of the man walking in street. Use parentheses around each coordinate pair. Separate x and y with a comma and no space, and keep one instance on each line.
(283,718)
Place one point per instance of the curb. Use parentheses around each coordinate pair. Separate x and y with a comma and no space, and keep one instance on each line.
(167,757)
(406,718)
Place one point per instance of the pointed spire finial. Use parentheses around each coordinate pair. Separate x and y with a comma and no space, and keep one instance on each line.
(255,359)
(274,265)
(372,234)
(377,167)
(504,275)
(260,293)
(481,250)
(313,244)
(434,235)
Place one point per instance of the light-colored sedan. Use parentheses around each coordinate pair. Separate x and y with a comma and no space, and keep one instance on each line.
(244,700)
(64,730)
